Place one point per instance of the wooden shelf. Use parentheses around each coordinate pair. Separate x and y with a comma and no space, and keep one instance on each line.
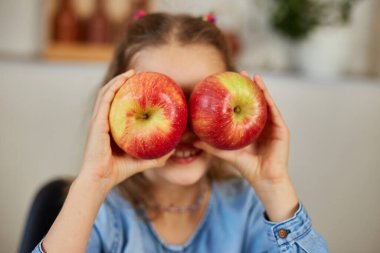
(81,52)
(118,14)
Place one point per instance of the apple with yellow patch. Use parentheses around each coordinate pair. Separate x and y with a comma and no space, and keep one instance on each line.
(148,115)
(227,110)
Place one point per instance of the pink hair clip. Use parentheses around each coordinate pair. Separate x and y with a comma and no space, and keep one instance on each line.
(139,14)
(210,18)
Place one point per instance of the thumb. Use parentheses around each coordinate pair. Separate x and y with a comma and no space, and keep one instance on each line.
(153,163)
(227,155)
(241,159)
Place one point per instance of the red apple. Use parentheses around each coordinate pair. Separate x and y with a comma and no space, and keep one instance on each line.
(227,110)
(148,115)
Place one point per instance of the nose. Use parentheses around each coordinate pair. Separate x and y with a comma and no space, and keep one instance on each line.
(187,93)
(188,136)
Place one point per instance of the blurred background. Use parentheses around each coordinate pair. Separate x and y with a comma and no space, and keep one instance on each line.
(320,60)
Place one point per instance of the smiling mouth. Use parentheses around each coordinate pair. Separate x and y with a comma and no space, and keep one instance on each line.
(185,153)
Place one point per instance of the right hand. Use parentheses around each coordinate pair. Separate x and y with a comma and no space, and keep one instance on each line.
(102,159)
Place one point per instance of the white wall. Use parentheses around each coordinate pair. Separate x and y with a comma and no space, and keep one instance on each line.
(45,107)
(44,110)
(20,27)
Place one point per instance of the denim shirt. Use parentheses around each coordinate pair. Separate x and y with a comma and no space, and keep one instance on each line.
(234,222)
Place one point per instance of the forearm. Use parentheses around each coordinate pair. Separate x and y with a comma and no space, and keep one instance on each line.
(278,198)
(72,227)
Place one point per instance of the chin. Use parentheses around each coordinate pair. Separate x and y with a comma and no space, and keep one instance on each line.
(186,174)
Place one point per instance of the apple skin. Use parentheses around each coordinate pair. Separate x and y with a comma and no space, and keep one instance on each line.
(148,115)
(227,110)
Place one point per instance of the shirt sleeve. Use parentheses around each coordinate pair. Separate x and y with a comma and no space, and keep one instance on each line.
(38,248)
(93,245)
(296,234)
(94,242)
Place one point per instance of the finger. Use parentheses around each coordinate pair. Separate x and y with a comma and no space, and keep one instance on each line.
(244,73)
(241,159)
(276,118)
(244,160)
(105,102)
(259,82)
(102,91)
(120,79)
(227,155)
(153,163)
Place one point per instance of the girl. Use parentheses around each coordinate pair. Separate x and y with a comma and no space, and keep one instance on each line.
(188,200)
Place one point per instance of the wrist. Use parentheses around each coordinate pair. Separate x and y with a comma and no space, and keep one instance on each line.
(278,197)
(73,225)
(275,181)
(271,176)
(93,183)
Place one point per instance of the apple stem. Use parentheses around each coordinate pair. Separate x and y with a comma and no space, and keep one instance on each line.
(237,109)
(143,116)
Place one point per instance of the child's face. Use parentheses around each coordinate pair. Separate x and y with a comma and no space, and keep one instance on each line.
(186,65)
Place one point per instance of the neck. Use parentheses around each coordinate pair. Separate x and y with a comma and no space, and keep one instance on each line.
(167,194)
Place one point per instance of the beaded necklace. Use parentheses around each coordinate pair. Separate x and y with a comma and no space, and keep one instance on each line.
(182,209)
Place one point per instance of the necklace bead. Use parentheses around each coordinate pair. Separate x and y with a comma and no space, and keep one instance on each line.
(182,209)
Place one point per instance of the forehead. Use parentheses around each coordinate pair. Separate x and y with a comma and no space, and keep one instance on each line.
(185,64)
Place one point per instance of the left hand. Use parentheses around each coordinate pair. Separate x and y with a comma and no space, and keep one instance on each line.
(267,158)
(265,162)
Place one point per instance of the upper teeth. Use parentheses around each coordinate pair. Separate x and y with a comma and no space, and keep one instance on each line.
(185,153)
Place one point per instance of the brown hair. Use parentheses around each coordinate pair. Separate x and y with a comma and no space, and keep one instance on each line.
(155,30)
